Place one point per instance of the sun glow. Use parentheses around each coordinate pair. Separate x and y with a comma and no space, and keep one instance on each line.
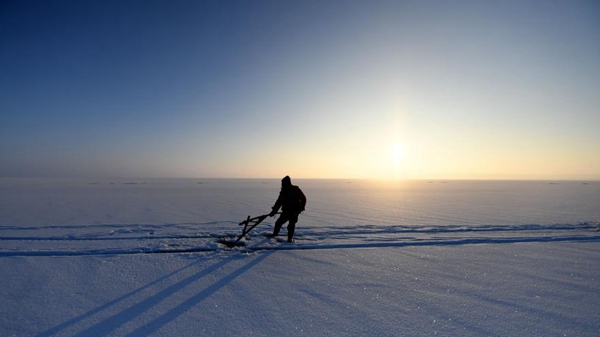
(397,152)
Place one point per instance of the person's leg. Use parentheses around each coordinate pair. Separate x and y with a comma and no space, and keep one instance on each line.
(291,228)
(282,219)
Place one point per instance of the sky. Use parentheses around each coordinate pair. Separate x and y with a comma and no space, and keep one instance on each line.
(310,89)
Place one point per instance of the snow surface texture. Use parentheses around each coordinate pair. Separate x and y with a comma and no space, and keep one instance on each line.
(377,261)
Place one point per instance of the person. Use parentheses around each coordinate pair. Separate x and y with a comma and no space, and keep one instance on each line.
(292,202)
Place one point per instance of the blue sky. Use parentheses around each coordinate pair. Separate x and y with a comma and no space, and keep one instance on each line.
(314,89)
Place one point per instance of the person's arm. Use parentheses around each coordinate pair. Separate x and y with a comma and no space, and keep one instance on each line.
(277,205)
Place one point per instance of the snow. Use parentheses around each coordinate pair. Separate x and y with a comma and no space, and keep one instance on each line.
(81,259)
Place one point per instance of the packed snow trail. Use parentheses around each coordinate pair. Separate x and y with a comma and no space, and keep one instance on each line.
(128,239)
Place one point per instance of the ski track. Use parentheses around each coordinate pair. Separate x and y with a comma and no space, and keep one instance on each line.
(128,239)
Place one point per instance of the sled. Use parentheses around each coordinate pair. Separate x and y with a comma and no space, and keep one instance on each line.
(248,224)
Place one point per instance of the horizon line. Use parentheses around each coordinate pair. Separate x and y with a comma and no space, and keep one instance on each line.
(591,178)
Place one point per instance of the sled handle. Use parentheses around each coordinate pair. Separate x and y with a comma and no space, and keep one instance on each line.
(258,219)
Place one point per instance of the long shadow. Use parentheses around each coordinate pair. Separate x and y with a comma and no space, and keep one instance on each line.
(157,323)
(101,308)
(110,324)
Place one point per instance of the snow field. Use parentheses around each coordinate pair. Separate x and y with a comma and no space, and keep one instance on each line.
(141,258)
(470,290)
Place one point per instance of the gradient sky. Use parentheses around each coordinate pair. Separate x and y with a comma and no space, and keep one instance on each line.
(313,89)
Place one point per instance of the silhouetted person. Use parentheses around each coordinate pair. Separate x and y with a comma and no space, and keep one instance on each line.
(292,202)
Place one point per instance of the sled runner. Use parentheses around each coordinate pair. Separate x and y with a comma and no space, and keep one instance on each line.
(248,224)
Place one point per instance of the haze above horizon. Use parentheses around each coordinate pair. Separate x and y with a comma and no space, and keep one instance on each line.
(312,89)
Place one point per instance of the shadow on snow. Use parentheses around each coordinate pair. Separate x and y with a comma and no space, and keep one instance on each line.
(119,318)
